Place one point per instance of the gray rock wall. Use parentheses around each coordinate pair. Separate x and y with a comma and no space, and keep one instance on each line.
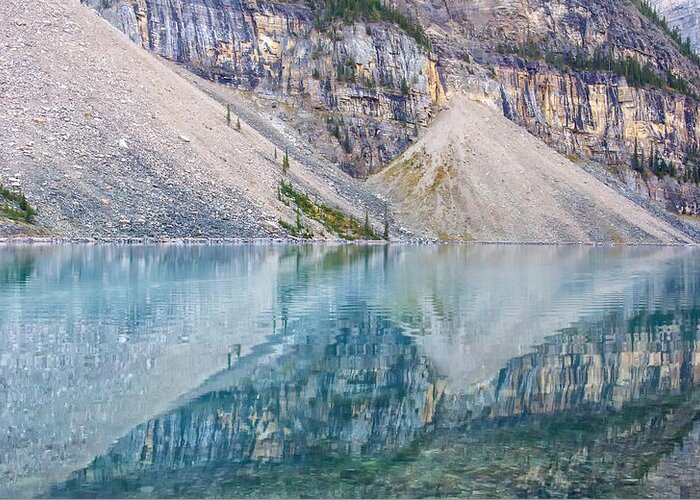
(372,84)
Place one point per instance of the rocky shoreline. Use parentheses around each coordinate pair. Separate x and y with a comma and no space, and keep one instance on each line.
(9,241)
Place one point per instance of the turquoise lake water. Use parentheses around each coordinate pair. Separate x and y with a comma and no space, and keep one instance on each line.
(349,371)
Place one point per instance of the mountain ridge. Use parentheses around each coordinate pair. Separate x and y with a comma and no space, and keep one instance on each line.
(596,79)
(126,145)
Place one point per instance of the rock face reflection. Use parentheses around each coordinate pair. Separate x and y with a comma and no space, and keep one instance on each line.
(368,391)
(603,364)
(372,394)
(351,371)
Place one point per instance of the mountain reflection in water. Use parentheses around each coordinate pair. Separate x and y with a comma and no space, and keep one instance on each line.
(435,372)
(588,413)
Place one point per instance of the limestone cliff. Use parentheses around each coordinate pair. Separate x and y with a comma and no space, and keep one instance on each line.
(372,84)
(599,117)
(596,80)
(561,69)
(684,15)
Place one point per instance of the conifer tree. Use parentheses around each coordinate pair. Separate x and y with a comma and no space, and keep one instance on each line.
(300,225)
(238,124)
(228,115)
(285,162)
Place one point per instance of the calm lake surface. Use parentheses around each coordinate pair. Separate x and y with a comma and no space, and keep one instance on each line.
(304,371)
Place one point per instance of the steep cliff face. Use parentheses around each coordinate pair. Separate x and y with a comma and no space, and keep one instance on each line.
(561,69)
(684,15)
(599,117)
(372,84)
(596,80)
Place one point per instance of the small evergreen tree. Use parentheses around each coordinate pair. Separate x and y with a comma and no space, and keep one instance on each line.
(635,158)
(238,124)
(275,154)
(228,115)
(300,224)
(386,227)
(285,162)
